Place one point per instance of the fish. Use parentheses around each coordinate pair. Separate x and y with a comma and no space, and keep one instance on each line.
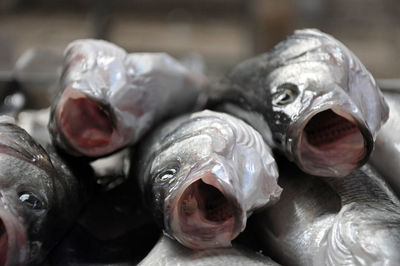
(202,175)
(40,197)
(353,220)
(109,99)
(169,252)
(321,106)
(386,155)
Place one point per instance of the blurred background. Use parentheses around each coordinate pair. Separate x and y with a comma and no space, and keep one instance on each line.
(221,32)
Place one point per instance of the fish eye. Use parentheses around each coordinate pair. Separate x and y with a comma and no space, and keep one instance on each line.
(286,93)
(30,200)
(167,174)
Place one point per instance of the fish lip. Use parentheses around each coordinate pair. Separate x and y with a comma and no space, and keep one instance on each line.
(62,139)
(17,244)
(171,205)
(293,139)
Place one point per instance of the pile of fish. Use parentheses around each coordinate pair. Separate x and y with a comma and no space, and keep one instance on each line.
(142,160)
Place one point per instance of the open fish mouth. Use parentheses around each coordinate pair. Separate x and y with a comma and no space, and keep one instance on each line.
(326,128)
(332,144)
(85,124)
(205,216)
(209,203)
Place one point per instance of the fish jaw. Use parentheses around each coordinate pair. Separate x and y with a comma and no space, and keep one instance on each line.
(204,214)
(85,125)
(13,240)
(332,142)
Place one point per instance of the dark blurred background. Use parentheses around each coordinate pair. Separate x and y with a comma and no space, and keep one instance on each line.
(223,32)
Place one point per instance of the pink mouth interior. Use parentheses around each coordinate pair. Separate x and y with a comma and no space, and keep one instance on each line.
(206,214)
(330,140)
(86,123)
(208,201)
(327,127)
(3,243)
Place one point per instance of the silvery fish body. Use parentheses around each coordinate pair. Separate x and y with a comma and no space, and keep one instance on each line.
(40,197)
(350,221)
(322,107)
(108,99)
(168,252)
(386,156)
(203,174)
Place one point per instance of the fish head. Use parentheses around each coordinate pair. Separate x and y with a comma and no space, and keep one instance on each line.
(191,187)
(108,99)
(316,122)
(32,191)
(208,176)
(325,106)
(91,115)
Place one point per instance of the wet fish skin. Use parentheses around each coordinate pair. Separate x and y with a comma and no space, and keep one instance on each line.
(169,252)
(306,82)
(386,156)
(350,221)
(40,197)
(203,174)
(108,99)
